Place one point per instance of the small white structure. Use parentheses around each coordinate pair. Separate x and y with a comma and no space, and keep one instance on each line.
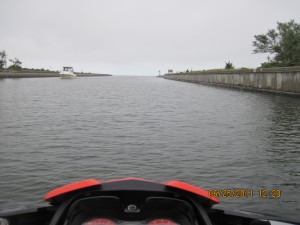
(170,71)
(67,72)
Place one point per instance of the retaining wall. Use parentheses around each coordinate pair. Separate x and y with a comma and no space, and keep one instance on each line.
(285,81)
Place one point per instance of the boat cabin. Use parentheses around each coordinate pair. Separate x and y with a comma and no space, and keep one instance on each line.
(68,68)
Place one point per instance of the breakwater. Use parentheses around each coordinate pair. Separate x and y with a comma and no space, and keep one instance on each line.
(44,74)
(284,80)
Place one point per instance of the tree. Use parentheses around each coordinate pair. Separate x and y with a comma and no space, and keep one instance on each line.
(229,65)
(16,64)
(283,43)
(2,59)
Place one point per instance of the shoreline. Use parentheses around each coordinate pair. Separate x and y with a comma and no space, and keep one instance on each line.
(4,75)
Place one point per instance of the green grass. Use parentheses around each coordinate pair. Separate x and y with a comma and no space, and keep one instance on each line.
(240,70)
(28,70)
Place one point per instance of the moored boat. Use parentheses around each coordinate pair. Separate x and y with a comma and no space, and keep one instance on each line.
(132,201)
(67,72)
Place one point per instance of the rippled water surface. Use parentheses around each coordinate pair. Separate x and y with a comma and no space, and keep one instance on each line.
(53,132)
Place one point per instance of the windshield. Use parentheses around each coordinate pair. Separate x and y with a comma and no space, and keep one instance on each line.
(149,211)
(104,221)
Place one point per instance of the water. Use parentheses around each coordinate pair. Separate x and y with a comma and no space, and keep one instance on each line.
(53,132)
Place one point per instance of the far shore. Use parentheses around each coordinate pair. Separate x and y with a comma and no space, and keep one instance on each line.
(45,74)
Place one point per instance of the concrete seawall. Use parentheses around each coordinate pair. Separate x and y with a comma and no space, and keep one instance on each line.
(44,74)
(276,80)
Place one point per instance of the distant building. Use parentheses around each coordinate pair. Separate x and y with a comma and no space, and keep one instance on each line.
(170,71)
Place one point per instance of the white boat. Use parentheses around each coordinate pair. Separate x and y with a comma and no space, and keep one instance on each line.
(67,72)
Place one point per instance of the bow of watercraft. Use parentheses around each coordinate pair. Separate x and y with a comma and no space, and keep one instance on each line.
(131,201)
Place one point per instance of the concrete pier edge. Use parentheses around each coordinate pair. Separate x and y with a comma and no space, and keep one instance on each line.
(248,89)
(280,81)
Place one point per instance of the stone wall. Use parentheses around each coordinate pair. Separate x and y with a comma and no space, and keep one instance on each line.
(272,80)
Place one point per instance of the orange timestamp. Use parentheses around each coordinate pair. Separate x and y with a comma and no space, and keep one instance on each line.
(266,193)
(244,193)
(231,193)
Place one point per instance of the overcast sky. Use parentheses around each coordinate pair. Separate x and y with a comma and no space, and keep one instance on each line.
(138,37)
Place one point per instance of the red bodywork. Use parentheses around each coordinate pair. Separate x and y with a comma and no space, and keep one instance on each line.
(91,182)
(192,189)
(71,187)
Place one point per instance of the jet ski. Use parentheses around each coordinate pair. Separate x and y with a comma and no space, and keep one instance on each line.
(131,201)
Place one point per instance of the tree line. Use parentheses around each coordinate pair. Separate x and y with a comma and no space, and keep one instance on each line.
(15,63)
(282,44)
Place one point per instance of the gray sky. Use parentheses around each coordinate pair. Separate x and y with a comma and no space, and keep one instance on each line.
(138,37)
